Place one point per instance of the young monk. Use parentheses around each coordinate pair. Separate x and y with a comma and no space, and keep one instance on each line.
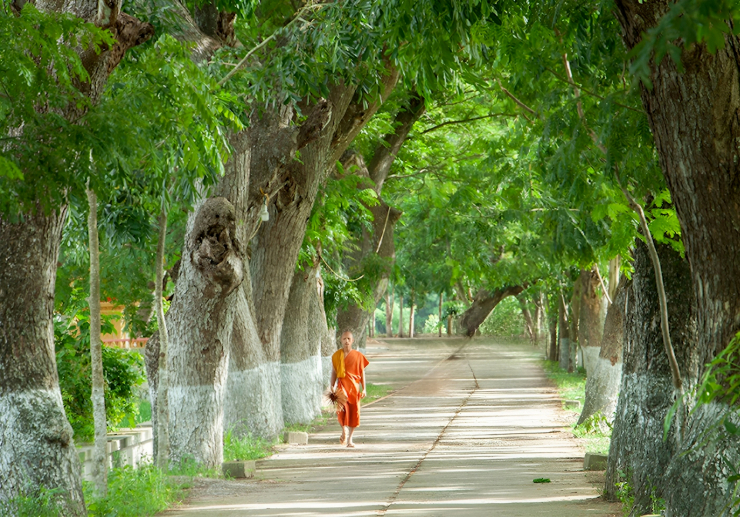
(348,370)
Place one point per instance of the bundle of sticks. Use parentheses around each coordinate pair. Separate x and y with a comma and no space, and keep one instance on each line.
(335,398)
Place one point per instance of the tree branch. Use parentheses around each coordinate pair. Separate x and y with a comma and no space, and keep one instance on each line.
(464,121)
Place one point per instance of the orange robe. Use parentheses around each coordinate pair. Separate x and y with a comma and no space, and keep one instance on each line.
(354,364)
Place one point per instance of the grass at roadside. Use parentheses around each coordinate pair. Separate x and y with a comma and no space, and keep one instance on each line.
(594,432)
(376,391)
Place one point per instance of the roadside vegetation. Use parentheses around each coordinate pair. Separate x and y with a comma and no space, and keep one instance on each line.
(595,432)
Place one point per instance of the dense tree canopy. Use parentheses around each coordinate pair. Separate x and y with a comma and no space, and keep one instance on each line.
(468,149)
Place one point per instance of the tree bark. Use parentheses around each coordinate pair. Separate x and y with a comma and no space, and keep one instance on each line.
(400,315)
(100,458)
(646,392)
(439,330)
(563,334)
(538,317)
(591,317)
(202,320)
(602,383)
(389,313)
(553,327)
(411,316)
(163,437)
(528,323)
(693,118)
(300,350)
(43,453)
(574,319)
(380,240)
(483,304)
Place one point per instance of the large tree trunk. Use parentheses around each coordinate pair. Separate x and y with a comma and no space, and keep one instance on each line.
(300,351)
(483,304)
(411,316)
(602,383)
(646,393)
(553,328)
(693,117)
(36,449)
(591,318)
(202,316)
(574,319)
(100,458)
(42,453)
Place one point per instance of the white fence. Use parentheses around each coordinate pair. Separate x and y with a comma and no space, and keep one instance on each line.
(124,447)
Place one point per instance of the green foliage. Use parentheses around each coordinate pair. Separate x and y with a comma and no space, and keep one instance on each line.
(123,371)
(40,151)
(143,491)
(40,502)
(686,24)
(624,492)
(432,323)
(505,320)
(246,447)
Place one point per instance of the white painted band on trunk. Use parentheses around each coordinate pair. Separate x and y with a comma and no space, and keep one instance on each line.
(36,445)
(326,368)
(590,357)
(301,390)
(196,423)
(602,388)
(253,404)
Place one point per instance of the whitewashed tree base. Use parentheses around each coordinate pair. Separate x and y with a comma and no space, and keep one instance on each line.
(258,393)
(301,393)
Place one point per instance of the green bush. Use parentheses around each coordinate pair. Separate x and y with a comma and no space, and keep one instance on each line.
(44,503)
(123,371)
(137,492)
(506,320)
(245,448)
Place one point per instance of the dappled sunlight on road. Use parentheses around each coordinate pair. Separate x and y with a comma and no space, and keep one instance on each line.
(462,435)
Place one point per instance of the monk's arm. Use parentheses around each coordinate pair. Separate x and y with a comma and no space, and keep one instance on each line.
(363,384)
(334,377)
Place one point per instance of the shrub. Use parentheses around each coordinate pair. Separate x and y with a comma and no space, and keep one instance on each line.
(123,371)
(132,493)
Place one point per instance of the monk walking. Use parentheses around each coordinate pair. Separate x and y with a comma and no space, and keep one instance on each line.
(348,369)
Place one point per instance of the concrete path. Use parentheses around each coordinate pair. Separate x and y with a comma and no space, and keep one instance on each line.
(470,426)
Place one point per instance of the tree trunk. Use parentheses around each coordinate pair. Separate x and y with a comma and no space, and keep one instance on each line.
(646,392)
(163,437)
(439,330)
(553,326)
(411,316)
(591,317)
(528,323)
(278,242)
(202,320)
(300,351)
(389,313)
(574,319)
(538,317)
(563,334)
(151,365)
(400,315)
(100,458)
(614,275)
(380,240)
(483,304)
(602,383)
(693,117)
(43,453)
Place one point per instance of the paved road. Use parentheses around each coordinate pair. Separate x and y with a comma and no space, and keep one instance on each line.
(468,429)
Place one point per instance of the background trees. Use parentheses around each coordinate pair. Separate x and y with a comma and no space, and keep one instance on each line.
(470,151)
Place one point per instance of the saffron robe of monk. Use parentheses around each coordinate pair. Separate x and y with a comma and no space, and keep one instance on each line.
(354,364)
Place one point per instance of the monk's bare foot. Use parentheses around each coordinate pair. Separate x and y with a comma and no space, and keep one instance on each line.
(351,445)
(342,439)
